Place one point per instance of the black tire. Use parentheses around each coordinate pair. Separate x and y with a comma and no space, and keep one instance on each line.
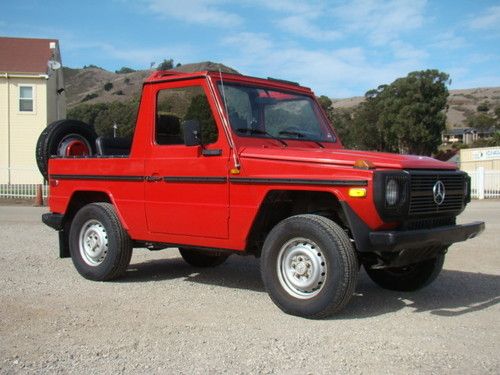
(100,248)
(201,258)
(50,140)
(409,278)
(312,250)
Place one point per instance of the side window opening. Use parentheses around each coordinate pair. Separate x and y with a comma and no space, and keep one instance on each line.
(175,106)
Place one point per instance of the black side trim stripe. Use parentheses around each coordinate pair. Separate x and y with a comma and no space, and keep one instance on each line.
(203,180)
(234,180)
(96,177)
(288,181)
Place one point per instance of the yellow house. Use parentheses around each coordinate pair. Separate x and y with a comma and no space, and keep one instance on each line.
(31,96)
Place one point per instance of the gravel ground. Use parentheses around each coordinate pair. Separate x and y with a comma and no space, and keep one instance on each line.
(167,317)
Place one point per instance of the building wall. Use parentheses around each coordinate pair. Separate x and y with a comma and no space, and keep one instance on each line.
(56,103)
(21,129)
(486,157)
(4,119)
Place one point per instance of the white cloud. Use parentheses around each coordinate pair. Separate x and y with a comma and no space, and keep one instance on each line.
(448,41)
(205,12)
(304,27)
(299,7)
(334,72)
(381,21)
(405,51)
(139,57)
(489,19)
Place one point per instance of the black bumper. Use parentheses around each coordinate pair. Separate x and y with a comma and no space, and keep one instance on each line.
(54,221)
(393,241)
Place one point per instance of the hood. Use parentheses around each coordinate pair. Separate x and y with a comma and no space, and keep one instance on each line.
(345,157)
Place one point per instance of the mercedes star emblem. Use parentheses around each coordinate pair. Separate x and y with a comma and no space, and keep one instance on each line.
(439,192)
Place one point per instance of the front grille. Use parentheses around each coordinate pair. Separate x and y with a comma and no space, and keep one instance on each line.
(422,196)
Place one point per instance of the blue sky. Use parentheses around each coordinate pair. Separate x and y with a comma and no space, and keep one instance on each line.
(338,48)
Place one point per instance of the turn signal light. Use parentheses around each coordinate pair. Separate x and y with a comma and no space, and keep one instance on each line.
(364,164)
(357,192)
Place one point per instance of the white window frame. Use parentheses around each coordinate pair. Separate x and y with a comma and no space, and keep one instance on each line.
(33,96)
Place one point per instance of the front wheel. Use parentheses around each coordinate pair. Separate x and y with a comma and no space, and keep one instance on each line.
(408,278)
(309,266)
(100,248)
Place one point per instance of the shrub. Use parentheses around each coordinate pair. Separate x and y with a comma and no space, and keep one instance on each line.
(125,70)
(89,97)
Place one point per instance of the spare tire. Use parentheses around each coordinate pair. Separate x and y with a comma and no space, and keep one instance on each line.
(64,138)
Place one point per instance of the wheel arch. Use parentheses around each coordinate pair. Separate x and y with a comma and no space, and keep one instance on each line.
(277,205)
(79,199)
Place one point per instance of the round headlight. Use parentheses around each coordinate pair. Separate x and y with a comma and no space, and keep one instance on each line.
(391,192)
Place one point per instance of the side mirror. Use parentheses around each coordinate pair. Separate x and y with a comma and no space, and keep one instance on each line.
(192,132)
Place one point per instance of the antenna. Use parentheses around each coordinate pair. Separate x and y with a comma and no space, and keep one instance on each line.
(223,94)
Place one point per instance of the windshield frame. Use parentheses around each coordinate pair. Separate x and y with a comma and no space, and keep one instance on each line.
(325,127)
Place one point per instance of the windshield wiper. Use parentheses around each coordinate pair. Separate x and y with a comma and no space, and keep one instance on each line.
(301,136)
(258,131)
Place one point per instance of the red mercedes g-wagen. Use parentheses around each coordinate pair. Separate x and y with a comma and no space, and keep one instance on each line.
(224,164)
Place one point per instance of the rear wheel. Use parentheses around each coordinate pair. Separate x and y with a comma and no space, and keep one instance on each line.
(201,258)
(309,266)
(100,248)
(408,278)
(64,138)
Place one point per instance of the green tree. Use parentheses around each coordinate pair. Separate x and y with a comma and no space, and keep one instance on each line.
(108,86)
(483,107)
(342,121)
(125,70)
(199,109)
(406,116)
(325,102)
(166,64)
(103,115)
(497,112)
(481,121)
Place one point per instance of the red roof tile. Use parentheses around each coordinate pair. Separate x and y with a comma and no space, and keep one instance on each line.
(23,55)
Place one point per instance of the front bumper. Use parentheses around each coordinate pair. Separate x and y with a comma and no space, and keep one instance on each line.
(394,241)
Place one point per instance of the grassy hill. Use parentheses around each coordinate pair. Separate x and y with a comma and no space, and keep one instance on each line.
(461,104)
(95,85)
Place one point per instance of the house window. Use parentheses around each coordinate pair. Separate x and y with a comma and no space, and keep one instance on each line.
(26,98)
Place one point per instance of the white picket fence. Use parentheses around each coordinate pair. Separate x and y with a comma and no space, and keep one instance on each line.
(485,184)
(24,183)
(22,191)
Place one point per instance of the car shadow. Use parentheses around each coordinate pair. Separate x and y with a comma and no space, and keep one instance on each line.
(454,293)
(237,272)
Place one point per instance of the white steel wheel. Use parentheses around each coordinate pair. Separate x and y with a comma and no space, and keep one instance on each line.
(302,269)
(93,242)
(309,266)
(99,246)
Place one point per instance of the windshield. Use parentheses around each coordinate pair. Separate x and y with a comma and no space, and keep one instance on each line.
(270,113)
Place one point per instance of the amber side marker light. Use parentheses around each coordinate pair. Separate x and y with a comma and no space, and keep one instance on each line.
(357,192)
(364,164)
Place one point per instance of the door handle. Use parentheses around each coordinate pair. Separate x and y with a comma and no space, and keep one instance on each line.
(153,178)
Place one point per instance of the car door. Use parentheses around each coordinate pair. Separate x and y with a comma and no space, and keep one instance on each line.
(186,187)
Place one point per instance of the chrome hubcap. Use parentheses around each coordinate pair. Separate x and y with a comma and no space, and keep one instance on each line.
(301,268)
(93,242)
